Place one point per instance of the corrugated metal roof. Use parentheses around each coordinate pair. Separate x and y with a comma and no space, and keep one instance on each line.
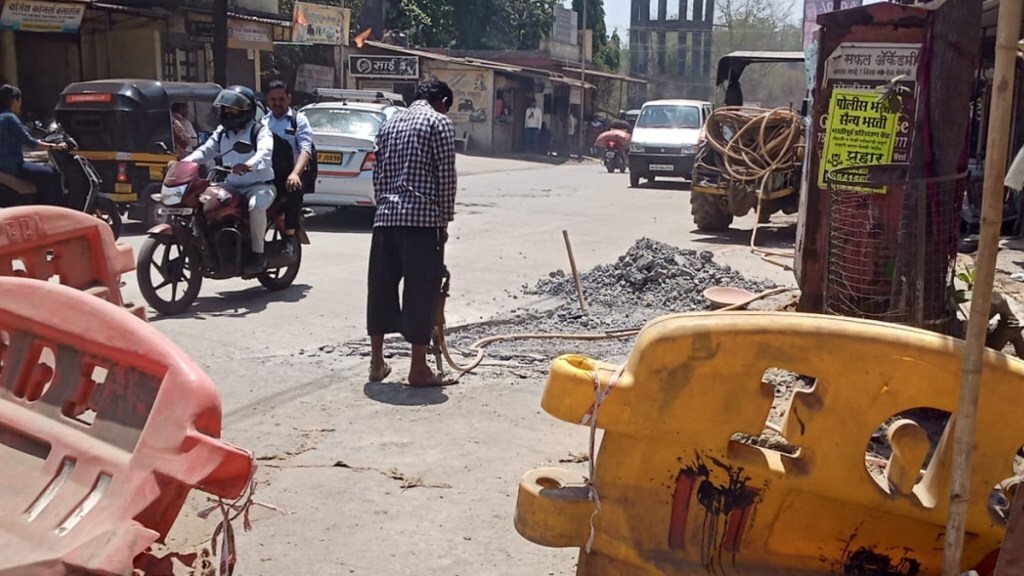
(261,19)
(599,74)
(486,64)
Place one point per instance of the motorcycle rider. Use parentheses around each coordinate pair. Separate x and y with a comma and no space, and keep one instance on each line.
(293,127)
(252,172)
(13,138)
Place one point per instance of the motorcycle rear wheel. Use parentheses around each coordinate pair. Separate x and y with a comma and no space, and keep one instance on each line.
(278,279)
(106,210)
(177,267)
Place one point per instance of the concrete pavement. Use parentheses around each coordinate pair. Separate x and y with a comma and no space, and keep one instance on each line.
(376,479)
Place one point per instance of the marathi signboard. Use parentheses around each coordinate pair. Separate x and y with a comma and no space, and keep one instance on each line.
(472,90)
(394,67)
(861,132)
(250,35)
(199,32)
(812,8)
(316,24)
(38,16)
(866,69)
(311,76)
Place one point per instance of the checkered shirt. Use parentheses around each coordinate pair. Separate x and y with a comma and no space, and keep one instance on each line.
(414,179)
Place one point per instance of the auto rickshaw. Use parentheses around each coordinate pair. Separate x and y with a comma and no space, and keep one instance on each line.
(124,128)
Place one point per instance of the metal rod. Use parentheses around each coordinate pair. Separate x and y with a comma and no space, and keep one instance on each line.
(1007,36)
(575,273)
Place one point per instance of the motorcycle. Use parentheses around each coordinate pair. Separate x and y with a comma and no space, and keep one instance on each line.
(205,234)
(80,181)
(614,158)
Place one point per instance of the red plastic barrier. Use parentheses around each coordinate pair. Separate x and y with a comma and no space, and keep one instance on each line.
(79,250)
(105,427)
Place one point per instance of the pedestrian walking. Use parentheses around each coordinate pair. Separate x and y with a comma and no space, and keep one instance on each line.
(534,121)
(414,184)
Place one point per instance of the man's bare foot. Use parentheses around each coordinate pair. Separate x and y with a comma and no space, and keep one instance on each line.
(424,377)
(378,372)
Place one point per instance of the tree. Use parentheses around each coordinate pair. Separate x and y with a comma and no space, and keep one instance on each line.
(762,25)
(606,50)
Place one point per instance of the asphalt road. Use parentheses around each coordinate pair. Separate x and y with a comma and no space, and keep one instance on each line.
(375,479)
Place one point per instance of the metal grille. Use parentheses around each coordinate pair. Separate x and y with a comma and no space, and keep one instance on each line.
(892,245)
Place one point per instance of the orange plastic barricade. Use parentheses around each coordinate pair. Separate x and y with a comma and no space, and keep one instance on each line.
(105,427)
(684,481)
(47,243)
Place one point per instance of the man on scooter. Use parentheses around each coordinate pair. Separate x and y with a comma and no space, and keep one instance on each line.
(252,171)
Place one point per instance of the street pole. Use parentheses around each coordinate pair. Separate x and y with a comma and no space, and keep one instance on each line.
(220,42)
(583,80)
(1007,36)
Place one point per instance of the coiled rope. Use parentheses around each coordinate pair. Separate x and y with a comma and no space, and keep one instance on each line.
(749,146)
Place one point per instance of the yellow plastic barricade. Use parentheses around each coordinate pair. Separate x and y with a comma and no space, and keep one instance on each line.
(680,492)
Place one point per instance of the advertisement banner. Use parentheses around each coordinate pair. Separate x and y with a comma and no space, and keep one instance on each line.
(316,24)
(812,8)
(38,16)
(865,68)
(311,76)
(472,90)
(861,132)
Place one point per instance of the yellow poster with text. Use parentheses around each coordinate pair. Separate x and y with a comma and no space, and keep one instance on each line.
(860,132)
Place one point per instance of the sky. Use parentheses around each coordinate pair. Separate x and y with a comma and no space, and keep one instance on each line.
(617,13)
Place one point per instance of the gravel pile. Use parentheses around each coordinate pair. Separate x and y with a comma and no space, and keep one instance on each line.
(651,279)
(652,275)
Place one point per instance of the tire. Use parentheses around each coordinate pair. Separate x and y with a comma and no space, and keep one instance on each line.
(623,169)
(157,252)
(709,212)
(634,180)
(610,168)
(281,278)
(106,210)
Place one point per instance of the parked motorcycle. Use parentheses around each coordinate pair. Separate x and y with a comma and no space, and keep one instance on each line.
(80,181)
(206,234)
(614,158)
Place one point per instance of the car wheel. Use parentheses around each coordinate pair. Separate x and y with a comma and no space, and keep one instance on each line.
(634,180)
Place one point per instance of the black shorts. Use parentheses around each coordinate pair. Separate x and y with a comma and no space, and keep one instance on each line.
(415,256)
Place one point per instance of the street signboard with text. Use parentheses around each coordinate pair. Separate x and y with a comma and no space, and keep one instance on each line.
(376,66)
(38,16)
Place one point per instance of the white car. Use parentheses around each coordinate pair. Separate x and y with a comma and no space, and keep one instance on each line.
(344,134)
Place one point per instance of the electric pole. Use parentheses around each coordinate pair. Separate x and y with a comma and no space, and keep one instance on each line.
(583,79)
(220,42)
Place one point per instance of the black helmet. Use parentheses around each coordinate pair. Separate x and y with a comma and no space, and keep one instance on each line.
(239,97)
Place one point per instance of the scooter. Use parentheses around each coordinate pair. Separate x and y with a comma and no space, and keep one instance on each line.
(17,192)
(614,158)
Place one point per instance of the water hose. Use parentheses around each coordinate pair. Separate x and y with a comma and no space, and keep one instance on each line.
(440,345)
(762,142)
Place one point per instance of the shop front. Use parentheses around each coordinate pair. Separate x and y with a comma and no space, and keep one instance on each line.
(387,72)
(39,50)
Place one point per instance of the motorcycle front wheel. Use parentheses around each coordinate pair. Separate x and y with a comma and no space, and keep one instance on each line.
(169,274)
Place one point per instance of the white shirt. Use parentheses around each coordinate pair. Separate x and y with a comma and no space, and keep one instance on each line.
(259,160)
(300,139)
(534,117)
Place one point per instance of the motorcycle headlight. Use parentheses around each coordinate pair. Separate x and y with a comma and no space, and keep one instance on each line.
(172,195)
(636,147)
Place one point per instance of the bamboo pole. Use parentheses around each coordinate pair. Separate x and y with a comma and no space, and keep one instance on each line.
(1007,35)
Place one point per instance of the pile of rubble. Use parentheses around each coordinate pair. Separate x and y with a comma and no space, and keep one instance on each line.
(652,275)
(651,279)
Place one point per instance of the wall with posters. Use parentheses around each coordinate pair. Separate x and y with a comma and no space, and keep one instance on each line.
(473,109)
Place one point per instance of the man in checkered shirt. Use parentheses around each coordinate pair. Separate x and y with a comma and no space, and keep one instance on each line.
(414,182)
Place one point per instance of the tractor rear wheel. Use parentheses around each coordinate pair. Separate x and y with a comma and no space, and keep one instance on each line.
(710,212)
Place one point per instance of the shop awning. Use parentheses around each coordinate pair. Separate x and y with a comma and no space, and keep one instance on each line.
(285,23)
(600,74)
